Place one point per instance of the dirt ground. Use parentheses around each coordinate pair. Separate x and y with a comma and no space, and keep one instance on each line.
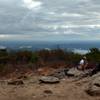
(67,89)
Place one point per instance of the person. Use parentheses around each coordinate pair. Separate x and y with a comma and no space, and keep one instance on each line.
(83,63)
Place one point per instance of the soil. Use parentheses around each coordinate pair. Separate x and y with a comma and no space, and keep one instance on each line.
(67,89)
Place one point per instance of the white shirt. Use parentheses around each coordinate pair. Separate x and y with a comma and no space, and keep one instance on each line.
(82,62)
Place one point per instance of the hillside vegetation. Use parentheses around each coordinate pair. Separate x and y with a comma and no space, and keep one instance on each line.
(23,61)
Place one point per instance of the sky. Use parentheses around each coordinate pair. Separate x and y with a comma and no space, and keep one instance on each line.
(51,20)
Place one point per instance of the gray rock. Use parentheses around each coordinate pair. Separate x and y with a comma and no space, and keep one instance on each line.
(97,81)
(74,72)
(49,79)
(59,73)
(93,88)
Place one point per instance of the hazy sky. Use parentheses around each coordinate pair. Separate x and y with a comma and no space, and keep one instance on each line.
(49,20)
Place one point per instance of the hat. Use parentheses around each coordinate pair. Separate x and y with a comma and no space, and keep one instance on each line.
(84,57)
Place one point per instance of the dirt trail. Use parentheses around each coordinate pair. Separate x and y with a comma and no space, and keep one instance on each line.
(67,89)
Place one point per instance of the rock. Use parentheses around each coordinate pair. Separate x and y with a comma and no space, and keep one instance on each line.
(61,73)
(74,72)
(93,91)
(15,82)
(96,76)
(22,77)
(94,87)
(48,92)
(3,82)
(49,79)
(97,81)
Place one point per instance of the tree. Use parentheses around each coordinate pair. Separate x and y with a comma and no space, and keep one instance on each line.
(94,50)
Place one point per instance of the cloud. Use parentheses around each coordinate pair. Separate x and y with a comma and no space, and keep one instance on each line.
(3,36)
(49,19)
(31,4)
(71,15)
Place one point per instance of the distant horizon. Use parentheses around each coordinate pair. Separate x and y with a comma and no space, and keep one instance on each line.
(71,40)
(37,45)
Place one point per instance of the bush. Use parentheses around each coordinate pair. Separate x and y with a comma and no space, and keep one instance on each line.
(94,55)
(2,67)
(23,56)
(34,58)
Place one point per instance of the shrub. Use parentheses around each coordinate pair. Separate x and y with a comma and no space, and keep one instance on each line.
(2,68)
(34,57)
(23,56)
(94,55)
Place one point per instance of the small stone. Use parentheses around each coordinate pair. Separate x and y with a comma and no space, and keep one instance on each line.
(22,77)
(15,82)
(48,92)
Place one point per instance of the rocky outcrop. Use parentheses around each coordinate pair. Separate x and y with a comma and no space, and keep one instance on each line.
(74,72)
(93,87)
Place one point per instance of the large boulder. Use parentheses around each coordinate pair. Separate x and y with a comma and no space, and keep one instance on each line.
(49,79)
(93,88)
(74,72)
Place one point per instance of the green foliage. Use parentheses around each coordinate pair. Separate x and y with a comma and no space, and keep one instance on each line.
(5,69)
(47,56)
(3,56)
(22,60)
(2,68)
(23,56)
(59,55)
(94,55)
(3,53)
(74,58)
(94,50)
(34,57)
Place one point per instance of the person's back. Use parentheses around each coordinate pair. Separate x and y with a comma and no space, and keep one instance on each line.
(83,63)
